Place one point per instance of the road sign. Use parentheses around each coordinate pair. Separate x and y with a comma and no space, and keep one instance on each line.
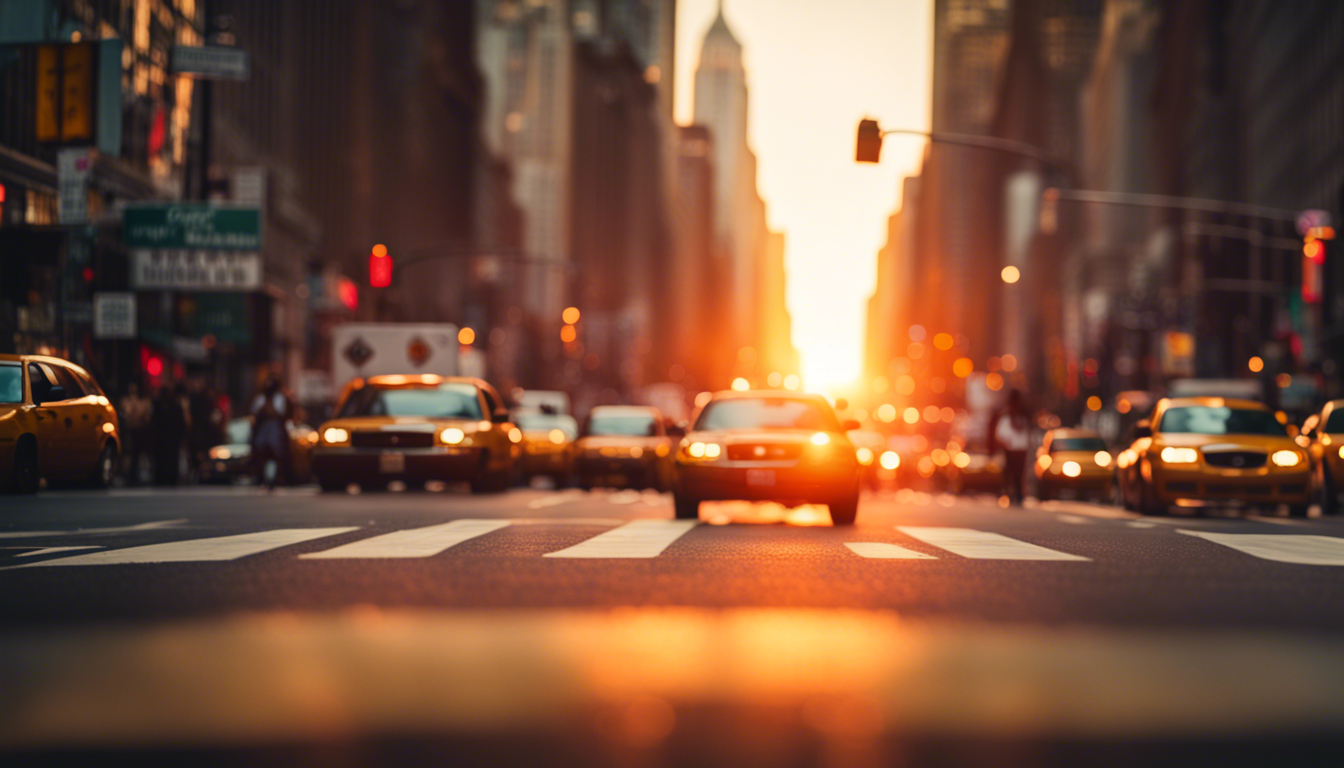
(114,315)
(73,166)
(195,270)
(194,226)
(213,62)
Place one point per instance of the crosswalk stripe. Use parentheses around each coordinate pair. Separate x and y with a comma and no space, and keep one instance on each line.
(198,550)
(639,538)
(417,542)
(1283,548)
(982,545)
(53,550)
(881,550)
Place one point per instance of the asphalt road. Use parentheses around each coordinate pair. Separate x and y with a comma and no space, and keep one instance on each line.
(937,627)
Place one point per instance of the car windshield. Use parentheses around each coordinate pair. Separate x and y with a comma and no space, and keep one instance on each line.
(1078,444)
(446,401)
(240,431)
(545,422)
(767,413)
(1333,425)
(627,424)
(1209,420)
(11,383)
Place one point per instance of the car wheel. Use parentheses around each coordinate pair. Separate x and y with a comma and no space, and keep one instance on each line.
(1328,493)
(1148,504)
(25,477)
(106,468)
(843,511)
(686,508)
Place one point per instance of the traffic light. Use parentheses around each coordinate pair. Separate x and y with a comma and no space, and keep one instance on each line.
(380,267)
(869,147)
(1313,270)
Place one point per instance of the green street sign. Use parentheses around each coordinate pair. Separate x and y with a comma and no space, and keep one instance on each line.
(194,226)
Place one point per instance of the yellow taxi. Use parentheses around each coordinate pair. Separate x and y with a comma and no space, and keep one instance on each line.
(548,440)
(1074,460)
(55,423)
(232,461)
(1323,437)
(625,445)
(768,446)
(421,428)
(1212,451)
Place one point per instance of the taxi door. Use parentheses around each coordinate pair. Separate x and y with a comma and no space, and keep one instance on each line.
(87,417)
(54,424)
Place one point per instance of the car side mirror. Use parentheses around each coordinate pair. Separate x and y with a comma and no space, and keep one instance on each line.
(851,424)
(53,394)
(500,416)
(1143,428)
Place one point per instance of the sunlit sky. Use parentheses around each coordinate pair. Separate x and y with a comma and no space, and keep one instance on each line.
(814,69)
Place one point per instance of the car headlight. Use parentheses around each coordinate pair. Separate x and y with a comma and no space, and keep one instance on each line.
(1341,452)
(820,439)
(557,437)
(698,450)
(515,435)
(1286,458)
(452,436)
(1102,458)
(1072,469)
(864,455)
(1044,462)
(890,460)
(335,436)
(1174,455)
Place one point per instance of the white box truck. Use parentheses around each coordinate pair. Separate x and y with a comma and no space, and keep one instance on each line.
(379,349)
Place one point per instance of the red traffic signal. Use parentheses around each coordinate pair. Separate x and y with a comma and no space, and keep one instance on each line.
(380,267)
(869,147)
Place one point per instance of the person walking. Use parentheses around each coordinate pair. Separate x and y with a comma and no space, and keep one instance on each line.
(167,431)
(1010,429)
(271,413)
(136,410)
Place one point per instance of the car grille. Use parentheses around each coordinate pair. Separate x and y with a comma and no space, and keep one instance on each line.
(1249,490)
(1236,459)
(392,439)
(774,452)
(1182,487)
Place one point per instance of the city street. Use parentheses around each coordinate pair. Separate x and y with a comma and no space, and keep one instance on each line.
(477,618)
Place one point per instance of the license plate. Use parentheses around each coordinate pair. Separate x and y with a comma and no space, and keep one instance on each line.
(391,462)
(761,477)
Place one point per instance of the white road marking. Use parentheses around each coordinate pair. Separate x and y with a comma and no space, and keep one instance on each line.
(1073,519)
(554,499)
(639,538)
(80,531)
(624,497)
(1141,524)
(198,550)
(983,545)
(880,550)
(417,542)
(50,550)
(1283,548)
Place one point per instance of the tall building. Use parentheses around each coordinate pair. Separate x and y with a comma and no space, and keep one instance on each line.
(754,320)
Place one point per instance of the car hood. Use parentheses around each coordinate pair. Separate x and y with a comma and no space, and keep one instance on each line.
(618,441)
(762,436)
(398,424)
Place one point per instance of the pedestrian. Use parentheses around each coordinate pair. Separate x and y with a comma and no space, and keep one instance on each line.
(167,432)
(201,427)
(1010,429)
(271,414)
(136,410)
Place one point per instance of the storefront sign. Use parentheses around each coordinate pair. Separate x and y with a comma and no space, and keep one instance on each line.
(73,166)
(195,270)
(114,315)
(192,226)
(212,62)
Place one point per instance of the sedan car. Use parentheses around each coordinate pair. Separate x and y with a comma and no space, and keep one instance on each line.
(768,446)
(418,429)
(548,440)
(1074,461)
(55,423)
(1212,451)
(1323,436)
(232,461)
(624,445)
